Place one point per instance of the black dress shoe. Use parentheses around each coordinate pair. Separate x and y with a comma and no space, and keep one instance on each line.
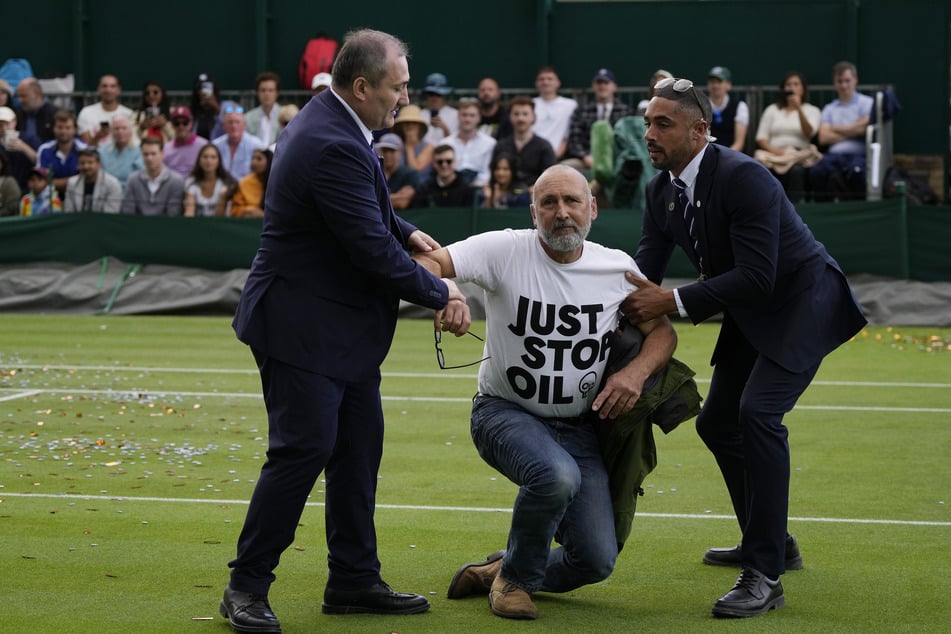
(248,612)
(734,556)
(753,594)
(378,599)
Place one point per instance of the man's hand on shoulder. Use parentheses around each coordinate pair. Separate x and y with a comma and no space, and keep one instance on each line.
(420,242)
(648,302)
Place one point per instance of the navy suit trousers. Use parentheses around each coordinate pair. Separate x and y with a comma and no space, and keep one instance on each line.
(315,423)
(742,424)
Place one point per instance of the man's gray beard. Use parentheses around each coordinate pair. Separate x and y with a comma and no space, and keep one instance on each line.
(568,242)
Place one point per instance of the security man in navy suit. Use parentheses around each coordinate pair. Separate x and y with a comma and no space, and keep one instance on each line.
(319,311)
(785,303)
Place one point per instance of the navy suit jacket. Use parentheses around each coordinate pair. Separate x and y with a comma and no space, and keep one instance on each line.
(325,284)
(774,282)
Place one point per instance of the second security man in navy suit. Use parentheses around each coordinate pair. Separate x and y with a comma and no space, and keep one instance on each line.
(785,303)
(319,311)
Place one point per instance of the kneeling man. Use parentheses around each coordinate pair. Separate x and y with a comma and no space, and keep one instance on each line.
(552,301)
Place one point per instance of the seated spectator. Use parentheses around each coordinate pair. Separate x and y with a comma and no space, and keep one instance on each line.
(659,74)
(503,190)
(320,83)
(784,136)
(401,180)
(731,117)
(445,187)
(153,118)
(236,144)
(534,153)
(154,190)
(248,199)
(411,127)
(93,189)
(552,111)
(121,156)
(604,108)
(6,94)
(495,117)
(473,147)
(9,188)
(205,105)
(41,198)
(284,116)
(95,119)
(262,121)
(35,114)
(841,172)
(441,118)
(61,155)
(181,153)
(209,186)
(21,156)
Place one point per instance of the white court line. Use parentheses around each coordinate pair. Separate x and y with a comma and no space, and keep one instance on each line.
(469,509)
(411,375)
(16,395)
(136,394)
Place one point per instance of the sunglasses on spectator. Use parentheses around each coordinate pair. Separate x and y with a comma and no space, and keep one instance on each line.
(441,360)
(680,85)
(233,109)
(444,161)
(181,122)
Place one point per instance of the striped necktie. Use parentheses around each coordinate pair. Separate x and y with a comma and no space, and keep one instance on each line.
(690,220)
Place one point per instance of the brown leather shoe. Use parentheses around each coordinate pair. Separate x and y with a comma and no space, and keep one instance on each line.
(509,601)
(475,578)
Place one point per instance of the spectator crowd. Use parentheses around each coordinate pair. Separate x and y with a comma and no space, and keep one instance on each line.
(209,157)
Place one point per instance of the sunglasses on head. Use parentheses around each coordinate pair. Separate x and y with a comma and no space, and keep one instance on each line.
(233,109)
(681,85)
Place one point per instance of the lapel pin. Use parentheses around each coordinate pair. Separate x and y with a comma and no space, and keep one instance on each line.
(670,207)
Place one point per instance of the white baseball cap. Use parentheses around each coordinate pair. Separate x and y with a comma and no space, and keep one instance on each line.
(321,79)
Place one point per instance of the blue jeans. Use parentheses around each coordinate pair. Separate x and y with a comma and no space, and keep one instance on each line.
(563,495)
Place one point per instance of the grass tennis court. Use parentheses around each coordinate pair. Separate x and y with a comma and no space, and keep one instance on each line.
(129,447)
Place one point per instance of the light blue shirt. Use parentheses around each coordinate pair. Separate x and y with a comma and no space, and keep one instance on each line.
(121,163)
(239,164)
(847,113)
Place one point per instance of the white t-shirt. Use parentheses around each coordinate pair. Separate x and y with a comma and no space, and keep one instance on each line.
(553,119)
(474,155)
(546,323)
(92,115)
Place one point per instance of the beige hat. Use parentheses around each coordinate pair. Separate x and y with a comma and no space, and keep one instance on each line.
(6,114)
(411,114)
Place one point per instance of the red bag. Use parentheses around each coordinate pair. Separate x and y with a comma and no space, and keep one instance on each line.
(318,57)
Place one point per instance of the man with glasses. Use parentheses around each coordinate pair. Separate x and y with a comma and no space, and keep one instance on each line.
(181,153)
(551,300)
(785,304)
(446,187)
(236,144)
(319,310)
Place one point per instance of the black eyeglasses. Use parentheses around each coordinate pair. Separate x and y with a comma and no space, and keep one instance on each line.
(444,161)
(181,122)
(681,85)
(441,360)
